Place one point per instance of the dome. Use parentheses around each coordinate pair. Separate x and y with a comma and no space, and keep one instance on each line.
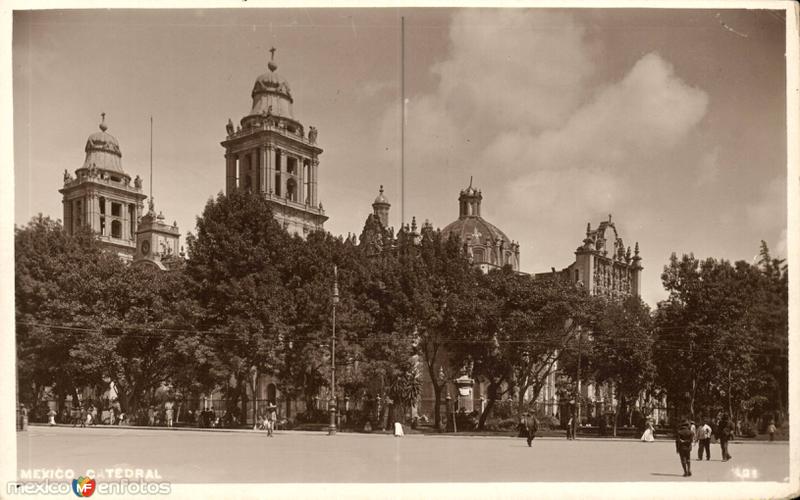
(102,151)
(271,82)
(381,199)
(475,230)
(271,93)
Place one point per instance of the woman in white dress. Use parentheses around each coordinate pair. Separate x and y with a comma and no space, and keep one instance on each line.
(649,433)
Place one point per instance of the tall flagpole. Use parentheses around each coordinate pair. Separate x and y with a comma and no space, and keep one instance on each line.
(151,159)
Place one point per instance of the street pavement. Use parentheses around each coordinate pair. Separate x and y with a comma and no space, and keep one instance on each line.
(183,456)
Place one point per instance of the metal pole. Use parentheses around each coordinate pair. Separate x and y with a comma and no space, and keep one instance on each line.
(332,402)
(578,396)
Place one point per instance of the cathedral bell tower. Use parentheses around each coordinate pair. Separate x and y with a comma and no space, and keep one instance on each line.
(271,153)
(101,196)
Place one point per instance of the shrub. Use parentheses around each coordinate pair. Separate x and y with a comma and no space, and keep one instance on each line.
(313,416)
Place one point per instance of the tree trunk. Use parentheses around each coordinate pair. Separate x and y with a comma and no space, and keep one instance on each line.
(521,400)
(492,390)
(485,414)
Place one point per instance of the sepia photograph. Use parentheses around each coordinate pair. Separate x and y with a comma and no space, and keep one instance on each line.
(469,251)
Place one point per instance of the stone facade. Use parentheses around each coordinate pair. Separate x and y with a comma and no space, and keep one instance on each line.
(271,153)
(604,265)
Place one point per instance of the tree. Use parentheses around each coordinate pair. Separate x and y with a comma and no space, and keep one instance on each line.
(237,261)
(515,328)
(714,332)
(621,345)
(58,344)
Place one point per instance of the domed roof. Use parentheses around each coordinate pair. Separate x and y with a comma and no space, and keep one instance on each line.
(381,199)
(102,150)
(271,81)
(475,230)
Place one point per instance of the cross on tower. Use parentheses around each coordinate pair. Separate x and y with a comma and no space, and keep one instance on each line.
(272,53)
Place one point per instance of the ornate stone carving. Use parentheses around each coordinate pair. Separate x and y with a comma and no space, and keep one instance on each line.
(312,134)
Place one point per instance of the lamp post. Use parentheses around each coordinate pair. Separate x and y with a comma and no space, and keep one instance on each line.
(332,402)
(577,422)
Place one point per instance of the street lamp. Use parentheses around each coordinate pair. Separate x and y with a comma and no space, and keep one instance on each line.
(332,402)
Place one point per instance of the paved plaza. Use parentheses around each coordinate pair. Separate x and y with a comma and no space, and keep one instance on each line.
(186,456)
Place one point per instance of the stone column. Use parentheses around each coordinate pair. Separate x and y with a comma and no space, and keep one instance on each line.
(255,169)
(67,216)
(301,188)
(314,172)
(230,173)
(264,171)
(95,212)
(125,225)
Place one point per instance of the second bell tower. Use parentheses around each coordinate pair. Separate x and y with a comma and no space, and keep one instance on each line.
(271,153)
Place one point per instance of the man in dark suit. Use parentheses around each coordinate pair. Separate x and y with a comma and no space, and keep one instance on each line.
(724,434)
(528,427)
(683,445)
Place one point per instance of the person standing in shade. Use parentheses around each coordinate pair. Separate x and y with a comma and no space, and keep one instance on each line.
(725,434)
(683,445)
(51,417)
(704,441)
(771,430)
(649,432)
(570,429)
(169,413)
(272,417)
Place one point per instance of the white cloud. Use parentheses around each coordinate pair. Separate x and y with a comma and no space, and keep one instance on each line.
(514,107)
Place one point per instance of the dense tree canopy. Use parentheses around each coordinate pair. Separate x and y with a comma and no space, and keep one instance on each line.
(251,299)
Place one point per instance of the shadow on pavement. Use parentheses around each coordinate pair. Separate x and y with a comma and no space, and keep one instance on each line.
(663,474)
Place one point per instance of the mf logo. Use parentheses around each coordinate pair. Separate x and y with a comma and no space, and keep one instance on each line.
(83,486)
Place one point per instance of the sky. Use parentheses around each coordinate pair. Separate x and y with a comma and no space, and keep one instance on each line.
(672,121)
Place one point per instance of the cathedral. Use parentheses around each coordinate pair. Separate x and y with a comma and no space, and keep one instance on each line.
(272,153)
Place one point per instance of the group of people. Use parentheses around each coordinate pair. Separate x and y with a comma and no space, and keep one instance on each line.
(688,434)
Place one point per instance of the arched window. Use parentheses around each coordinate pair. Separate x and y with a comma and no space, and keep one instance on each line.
(478,255)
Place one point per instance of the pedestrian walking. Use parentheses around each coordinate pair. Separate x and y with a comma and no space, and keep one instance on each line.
(398,430)
(771,430)
(683,445)
(51,417)
(570,429)
(169,412)
(151,416)
(704,441)
(725,434)
(272,417)
(532,426)
(84,416)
